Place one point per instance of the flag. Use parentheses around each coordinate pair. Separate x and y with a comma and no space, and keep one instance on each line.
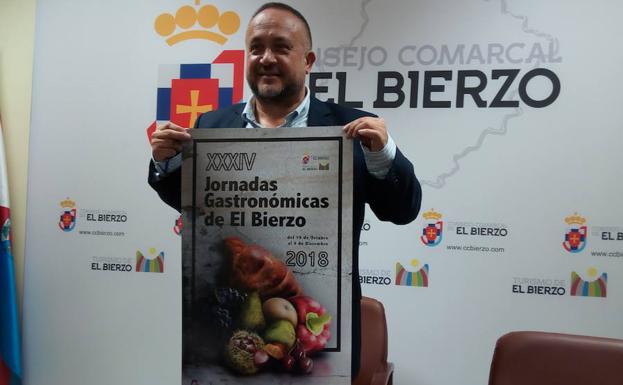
(10,354)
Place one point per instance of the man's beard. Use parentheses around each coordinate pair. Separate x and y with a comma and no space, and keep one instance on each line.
(283,95)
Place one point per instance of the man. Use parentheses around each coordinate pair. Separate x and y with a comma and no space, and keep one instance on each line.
(279,56)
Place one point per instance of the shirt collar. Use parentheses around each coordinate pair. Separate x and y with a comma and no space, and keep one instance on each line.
(296,118)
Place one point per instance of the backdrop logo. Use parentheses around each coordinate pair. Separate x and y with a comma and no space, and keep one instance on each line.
(433,229)
(68,215)
(418,278)
(595,286)
(575,236)
(190,23)
(185,91)
(311,162)
(152,264)
(178,226)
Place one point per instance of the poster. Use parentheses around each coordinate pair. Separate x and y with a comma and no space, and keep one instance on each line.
(267,256)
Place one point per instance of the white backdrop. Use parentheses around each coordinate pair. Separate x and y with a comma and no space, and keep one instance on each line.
(502,180)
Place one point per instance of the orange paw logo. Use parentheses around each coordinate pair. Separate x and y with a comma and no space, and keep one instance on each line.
(195,23)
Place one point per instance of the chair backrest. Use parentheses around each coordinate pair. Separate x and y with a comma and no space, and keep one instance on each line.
(538,358)
(373,341)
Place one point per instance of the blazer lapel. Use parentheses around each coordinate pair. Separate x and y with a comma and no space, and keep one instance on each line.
(236,119)
(319,114)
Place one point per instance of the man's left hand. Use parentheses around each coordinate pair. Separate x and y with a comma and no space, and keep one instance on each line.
(371,131)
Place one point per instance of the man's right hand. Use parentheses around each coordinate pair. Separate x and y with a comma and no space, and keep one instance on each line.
(167,141)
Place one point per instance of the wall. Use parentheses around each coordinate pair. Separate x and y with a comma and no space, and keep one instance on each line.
(520,225)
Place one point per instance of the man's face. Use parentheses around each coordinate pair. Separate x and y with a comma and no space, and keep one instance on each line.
(278,56)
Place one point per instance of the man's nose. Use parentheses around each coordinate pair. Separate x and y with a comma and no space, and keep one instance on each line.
(268,57)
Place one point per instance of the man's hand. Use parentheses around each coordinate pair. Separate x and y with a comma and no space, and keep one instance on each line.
(371,131)
(167,141)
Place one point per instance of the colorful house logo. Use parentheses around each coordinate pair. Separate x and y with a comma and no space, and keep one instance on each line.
(432,233)
(418,278)
(595,286)
(152,264)
(68,215)
(575,236)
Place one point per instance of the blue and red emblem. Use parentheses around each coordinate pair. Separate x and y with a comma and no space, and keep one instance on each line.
(575,239)
(185,91)
(432,234)
(67,220)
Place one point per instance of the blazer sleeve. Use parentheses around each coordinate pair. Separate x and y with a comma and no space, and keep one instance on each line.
(168,187)
(397,197)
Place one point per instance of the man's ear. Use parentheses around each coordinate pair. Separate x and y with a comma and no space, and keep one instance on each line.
(310,59)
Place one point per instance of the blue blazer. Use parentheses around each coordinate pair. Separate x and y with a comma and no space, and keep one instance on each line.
(396,198)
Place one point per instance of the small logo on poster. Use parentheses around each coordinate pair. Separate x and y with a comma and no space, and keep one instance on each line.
(311,162)
(575,236)
(152,264)
(68,215)
(432,233)
(595,286)
(417,278)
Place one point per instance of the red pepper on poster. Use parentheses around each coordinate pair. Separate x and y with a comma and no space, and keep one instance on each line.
(313,323)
